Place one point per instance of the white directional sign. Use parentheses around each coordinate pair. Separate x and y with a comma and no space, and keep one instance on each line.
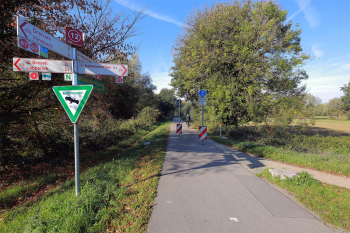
(202,100)
(82,57)
(102,69)
(73,99)
(42,65)
(38,36)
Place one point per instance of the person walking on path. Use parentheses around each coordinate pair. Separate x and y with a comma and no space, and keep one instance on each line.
(188,120)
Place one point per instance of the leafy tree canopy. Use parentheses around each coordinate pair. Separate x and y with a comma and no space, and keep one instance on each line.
(346,98)
(243,54)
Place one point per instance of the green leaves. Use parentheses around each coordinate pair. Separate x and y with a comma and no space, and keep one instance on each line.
(244,50)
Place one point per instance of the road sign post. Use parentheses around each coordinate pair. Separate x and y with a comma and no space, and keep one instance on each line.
(38,36)
(42,65)
(102,69)
(202,94)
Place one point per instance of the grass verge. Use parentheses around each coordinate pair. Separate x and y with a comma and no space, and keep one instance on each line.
(116,195)
(26,188)
(332,163)
(330,202)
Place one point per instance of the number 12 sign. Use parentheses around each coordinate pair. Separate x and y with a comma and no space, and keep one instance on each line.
(74,37)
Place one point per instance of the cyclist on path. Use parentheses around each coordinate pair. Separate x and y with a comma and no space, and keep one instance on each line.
(188,120)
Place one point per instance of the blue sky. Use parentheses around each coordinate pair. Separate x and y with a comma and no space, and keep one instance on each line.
(325,36)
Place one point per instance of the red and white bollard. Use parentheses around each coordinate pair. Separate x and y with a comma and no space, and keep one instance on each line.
(202,133)
(179,129)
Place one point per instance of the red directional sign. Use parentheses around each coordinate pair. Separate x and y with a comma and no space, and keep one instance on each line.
(42,65)
(102,69)
(38,36)
(74,37)
(33,75)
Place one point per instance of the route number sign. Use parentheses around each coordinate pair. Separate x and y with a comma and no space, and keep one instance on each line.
(33,75)
(74,37)
(119,79)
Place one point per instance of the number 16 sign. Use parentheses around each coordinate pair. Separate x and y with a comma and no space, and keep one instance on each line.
(74,37)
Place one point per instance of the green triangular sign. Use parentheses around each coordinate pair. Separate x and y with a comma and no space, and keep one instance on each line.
(73,99)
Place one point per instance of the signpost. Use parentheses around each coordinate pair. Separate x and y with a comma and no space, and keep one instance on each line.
(83,58)
(202,102)
(73,99)
(42,65)
(38,36)
(74,37)
(102,69)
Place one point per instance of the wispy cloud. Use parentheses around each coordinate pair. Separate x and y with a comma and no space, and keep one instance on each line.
(309,11)
(138,7)
(317,51)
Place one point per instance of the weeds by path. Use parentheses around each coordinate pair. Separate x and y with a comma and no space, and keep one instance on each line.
(332,163)
(116,195)
(330,202)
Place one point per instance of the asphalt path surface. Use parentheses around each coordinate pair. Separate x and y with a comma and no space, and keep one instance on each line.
(203,189)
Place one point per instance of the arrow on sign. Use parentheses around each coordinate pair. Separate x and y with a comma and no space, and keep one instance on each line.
(21,27)
(19,69)
(73,99)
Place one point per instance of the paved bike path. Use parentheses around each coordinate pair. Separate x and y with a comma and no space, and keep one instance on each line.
(203,189)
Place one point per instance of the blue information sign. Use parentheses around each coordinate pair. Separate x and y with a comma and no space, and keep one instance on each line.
(202,93)
(44,52)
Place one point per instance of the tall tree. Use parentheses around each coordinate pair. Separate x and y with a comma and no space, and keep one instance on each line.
(335,108)
(346,98)
(30,108)
(167,101)
(244,54)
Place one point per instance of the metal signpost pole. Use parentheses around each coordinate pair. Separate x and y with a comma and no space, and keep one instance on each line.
(179,111)
(76,129)
(202,120)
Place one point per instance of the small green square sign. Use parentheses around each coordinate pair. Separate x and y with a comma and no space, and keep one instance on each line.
(68,77)
(73,99)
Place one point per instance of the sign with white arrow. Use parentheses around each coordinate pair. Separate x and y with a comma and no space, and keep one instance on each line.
(73,99)
(38,36)
(102,69)
(42,65)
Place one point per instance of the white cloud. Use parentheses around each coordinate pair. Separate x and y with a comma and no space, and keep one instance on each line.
(345,67)
(161,80)
(318,52)
(309,11)
(133,6)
